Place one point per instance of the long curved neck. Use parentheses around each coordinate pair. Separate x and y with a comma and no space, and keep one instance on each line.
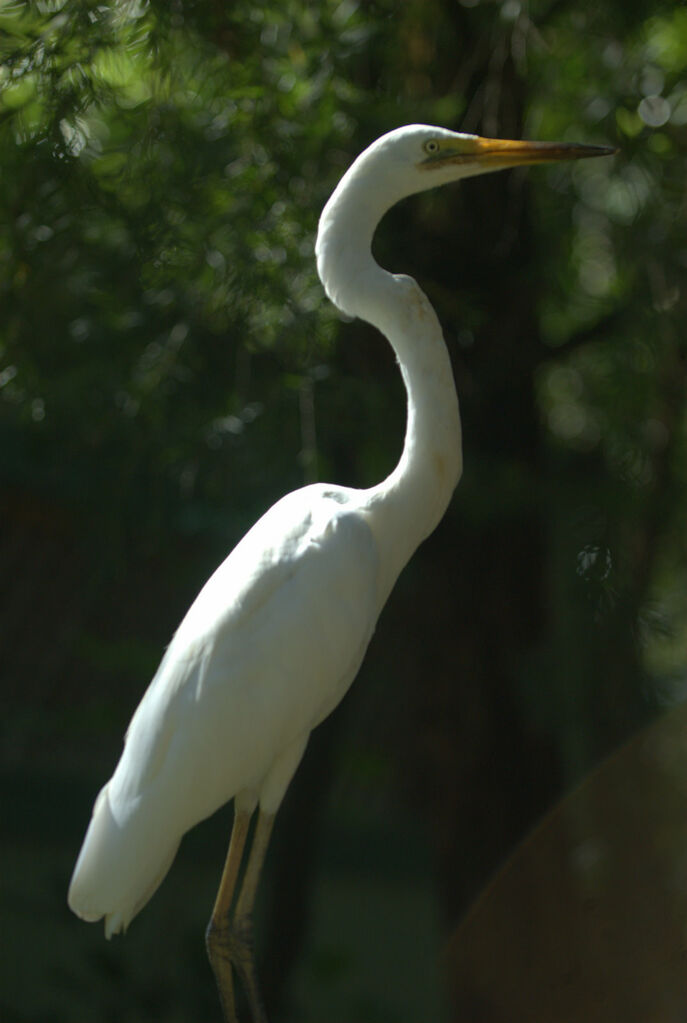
(408,504)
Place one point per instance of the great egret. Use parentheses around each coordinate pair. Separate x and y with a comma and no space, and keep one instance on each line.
(277,634)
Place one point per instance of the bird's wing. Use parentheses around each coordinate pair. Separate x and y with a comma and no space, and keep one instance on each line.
(267,649)
(265,652)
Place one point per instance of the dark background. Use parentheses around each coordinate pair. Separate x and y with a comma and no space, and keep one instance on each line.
(169,366)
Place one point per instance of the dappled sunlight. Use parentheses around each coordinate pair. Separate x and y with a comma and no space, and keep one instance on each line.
(170,366)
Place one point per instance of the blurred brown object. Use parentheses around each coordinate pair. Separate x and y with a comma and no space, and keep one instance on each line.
(588,919)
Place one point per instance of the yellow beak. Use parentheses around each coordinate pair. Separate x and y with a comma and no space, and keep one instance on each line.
(506,153)
(496,153)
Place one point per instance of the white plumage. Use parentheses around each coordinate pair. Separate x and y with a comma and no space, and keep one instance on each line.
(302,583)
(278,633)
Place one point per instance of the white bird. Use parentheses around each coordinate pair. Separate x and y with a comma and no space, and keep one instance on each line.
(277,634)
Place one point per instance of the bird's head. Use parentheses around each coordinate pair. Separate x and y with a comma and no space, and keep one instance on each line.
(402,162)
(420,156)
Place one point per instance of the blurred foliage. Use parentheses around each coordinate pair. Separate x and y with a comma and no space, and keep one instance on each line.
(157,249)
(612,395)
(169,366)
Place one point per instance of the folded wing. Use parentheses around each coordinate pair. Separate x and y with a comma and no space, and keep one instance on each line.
(266,651)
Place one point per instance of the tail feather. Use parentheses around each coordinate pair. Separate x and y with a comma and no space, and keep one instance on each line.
(119,867)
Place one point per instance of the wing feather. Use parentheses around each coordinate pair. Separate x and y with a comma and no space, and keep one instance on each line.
(267,649)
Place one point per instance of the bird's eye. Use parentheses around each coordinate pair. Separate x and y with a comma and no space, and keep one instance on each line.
(431,147)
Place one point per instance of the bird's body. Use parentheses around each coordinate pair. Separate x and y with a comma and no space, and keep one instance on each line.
(223,716)
(278,633)
(266,651)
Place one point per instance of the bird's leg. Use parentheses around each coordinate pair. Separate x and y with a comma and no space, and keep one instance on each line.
(242,920)
(217,935)
(229,937)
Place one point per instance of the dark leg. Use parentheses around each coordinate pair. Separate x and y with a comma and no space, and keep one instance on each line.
(229,937)
(242,923)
